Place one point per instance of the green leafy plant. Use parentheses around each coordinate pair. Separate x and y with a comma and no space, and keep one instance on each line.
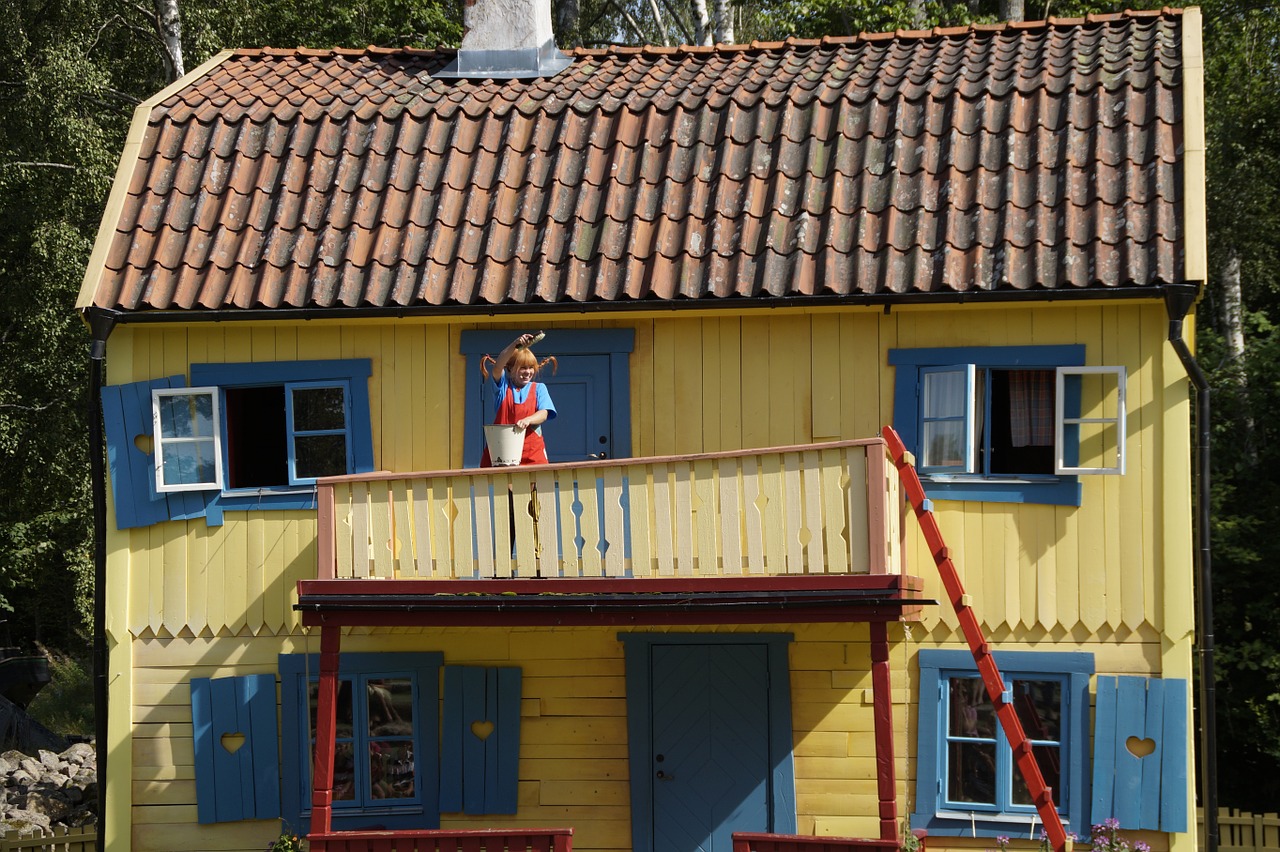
(288,842)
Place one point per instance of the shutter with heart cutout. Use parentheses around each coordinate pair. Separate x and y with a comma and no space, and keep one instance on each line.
(480,751)
(1140,753)
(236,742)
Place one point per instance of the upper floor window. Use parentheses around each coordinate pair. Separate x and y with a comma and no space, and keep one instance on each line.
(968,780)
(236,436)
(284,425)
(1014,424)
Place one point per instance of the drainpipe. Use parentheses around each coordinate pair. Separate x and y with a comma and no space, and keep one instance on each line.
(100,325)
(1178,300)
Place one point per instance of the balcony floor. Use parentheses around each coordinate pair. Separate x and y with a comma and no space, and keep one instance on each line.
(587,601)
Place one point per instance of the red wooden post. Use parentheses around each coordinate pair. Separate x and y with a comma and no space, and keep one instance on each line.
(882,694)
(326,732)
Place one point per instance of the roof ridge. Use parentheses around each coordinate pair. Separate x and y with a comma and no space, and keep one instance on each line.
(791,42)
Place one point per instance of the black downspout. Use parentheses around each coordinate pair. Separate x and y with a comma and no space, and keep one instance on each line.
(100,325)
(1178,301)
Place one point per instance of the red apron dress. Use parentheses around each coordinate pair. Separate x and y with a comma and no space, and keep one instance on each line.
(535,450)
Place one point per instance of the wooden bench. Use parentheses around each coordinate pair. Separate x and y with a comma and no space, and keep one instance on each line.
(446,840)
(754,842)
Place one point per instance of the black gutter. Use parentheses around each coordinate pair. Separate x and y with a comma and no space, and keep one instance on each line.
(734,303)
(100,325)
(1179,298)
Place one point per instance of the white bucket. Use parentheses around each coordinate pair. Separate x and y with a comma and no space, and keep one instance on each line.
(505,442)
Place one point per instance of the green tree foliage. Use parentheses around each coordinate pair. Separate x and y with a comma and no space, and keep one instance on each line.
(1242,50)
(71,74)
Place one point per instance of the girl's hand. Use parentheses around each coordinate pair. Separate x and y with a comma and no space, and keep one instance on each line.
(523,422)
(524,341)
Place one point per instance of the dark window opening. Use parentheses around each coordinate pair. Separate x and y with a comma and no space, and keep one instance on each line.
(1022,422)
(257,439)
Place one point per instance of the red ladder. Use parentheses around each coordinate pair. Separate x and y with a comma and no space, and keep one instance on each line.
(1041,794)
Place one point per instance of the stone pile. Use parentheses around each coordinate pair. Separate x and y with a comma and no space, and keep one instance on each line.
(49,789)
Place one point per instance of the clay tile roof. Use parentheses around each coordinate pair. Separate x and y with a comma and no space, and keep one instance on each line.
(1037,157)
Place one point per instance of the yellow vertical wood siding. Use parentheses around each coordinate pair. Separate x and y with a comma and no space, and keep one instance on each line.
(1113,575)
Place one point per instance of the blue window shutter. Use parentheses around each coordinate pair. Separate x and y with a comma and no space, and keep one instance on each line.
(1146,792)
(480,776)
(244,784)
(126,411)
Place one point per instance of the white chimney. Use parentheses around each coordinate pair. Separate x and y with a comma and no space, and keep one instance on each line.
(507,39)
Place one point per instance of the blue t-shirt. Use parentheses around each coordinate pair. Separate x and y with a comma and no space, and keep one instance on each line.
(541,403)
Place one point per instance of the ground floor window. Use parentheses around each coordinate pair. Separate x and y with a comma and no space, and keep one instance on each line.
(967,781)
(386,769)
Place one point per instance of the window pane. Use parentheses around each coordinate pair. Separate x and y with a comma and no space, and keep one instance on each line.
(188,415)
(320,455)
(344,772)
(971,775)
(390,707)
(391,769)
(188,463)
(345,725)
(1039,706)
(944,443)
(944,394)
(316,409)
(971,713)
(1048,757)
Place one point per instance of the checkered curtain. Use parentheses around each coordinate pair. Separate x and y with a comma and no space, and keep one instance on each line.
(1031,407)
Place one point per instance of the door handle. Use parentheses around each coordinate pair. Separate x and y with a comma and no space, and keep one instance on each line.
(664,776)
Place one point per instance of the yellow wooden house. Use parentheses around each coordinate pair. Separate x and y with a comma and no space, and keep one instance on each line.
(713,613)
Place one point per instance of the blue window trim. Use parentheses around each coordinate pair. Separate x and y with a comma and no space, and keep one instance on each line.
(638,647)
(353,373)
(936,667)
(909,363)
(617,343)
(424,669)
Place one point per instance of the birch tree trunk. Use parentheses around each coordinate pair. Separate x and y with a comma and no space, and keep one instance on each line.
(567,12)
(917,14)
(1233,334)
(703,21)
(1012,10)
(169,22)
(724,22)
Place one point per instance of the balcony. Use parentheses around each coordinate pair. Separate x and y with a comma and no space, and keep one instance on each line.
(821,520)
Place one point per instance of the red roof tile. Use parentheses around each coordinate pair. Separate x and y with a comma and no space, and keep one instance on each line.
(1029,157)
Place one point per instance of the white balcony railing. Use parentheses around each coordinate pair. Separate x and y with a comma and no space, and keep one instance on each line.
(813,509)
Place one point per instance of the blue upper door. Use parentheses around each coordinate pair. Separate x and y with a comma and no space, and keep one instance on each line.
(581,391)
(590,389)
(710,767)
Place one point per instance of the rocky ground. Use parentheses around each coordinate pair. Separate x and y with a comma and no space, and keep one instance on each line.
(48,789)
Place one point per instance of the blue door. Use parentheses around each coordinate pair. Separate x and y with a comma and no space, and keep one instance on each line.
(710,764)
(581,391)
(591,390)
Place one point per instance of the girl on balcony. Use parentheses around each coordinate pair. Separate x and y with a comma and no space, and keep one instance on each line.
(519,400)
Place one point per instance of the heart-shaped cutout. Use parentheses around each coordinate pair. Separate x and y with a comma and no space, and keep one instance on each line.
(482,729)
(232,742)
(1139,747)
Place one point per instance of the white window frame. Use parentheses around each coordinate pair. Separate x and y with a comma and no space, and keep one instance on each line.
(160,442)
(1061,421)
(292,432)
(968,417)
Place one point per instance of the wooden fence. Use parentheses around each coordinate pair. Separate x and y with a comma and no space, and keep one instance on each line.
(1241,831)
(56,839)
